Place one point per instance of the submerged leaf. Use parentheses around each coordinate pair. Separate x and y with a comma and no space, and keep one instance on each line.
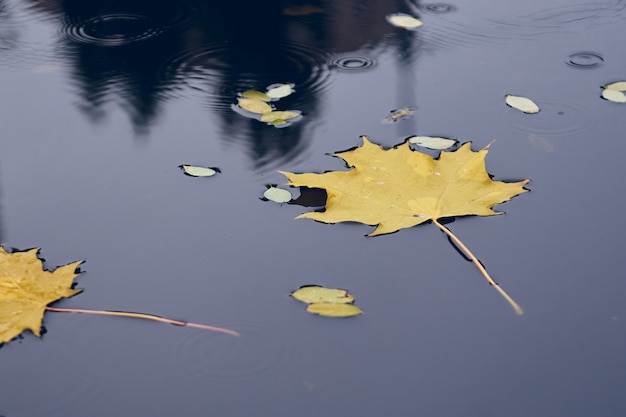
(256,95)
(278,91)
(195,171)
(399,114)
(523,104)
(334,309)
(404,21)
(277,195)
(26,289)
(317,294)
(303,10)
(271,117)
(254,105)
(432,142)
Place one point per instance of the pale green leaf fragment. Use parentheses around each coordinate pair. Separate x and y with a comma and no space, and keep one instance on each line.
(619,86)
(256,95)
(279,122)
(317,294)
(523,104)
(334,309)
(254,105)
(432,142)
(280,115)
(278,91)
(196,171)
(277,195)
(404,21)
(614,95)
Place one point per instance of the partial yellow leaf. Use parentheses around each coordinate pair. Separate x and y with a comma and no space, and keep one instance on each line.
(334,309)
(277,195)
(255,95)
(278,91)
(523,104)
(280,115)
(432,142)
(404,21)
(26,289)
(614,95)
(317,294)
(619,86)
(254,105)
(195,171)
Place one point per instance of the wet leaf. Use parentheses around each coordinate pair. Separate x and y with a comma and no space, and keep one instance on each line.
(26,289)
(334,309)
(615,92)
(277,195)
(399,188)
(618,86)
(254,105)
(432,142)
(318,294)
(255,95)
(523,104)
(195,171)
(273,116)
(278,91)
(399,114)
(404,21)
(614,95)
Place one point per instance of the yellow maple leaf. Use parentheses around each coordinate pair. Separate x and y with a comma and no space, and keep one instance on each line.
(399,188)
(26,289)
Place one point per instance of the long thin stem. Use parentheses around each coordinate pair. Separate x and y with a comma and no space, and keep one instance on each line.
(480,267)
(143,316)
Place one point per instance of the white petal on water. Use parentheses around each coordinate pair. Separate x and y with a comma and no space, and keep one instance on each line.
(277,195)
(432,142)
(614,95)
(277,91)
(523,104)
(195,171)
(619,86)
(404,21)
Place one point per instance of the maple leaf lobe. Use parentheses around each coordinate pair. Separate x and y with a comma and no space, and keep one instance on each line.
(398,188)
(26,289)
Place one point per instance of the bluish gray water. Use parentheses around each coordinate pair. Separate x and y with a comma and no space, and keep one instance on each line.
(102,101)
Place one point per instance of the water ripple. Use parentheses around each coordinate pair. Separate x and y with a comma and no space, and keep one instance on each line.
(204,354)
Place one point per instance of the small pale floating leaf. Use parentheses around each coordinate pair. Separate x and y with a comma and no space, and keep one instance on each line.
(334,309)
(196,171)
(614,95)
(279,122)
(404,21)
(277,195)
(256,95)
(523,104)
(432,142)
(317,294)
(280,115)
(278,91)
(254,105)
(619,86)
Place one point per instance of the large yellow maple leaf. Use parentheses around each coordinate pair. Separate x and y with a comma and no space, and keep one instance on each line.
(26,289)
(399,188)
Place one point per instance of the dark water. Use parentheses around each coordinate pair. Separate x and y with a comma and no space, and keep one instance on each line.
(102,100)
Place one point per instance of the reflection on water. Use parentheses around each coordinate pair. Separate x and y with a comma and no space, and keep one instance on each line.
(139,54)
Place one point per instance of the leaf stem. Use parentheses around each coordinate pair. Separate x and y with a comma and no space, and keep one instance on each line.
(481,268)
(143,316)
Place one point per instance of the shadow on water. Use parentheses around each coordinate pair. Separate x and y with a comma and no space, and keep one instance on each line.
(139,54)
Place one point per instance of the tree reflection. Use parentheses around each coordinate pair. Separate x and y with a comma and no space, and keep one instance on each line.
(141,53)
